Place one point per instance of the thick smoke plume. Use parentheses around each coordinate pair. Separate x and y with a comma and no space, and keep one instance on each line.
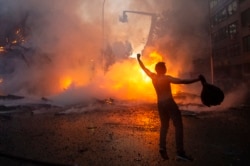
(66,40)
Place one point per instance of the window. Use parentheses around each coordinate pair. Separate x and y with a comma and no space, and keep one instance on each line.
(224,13)
(220,34)
(246,68)
(234,50)
(215,19)
(232,30)
(213,3)
(232,8)
(245,18)
(214,36)
(220,52)
(246,44)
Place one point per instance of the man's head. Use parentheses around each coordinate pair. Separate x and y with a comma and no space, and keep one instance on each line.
(160,68)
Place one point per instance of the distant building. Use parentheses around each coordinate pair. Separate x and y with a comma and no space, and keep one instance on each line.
(230,41)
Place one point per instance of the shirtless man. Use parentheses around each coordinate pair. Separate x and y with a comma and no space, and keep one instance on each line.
(167,107)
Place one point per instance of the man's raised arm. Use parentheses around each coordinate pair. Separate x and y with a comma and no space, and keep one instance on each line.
(148,72)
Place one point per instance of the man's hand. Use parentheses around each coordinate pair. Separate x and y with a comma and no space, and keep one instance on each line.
(138,56)
(202,79)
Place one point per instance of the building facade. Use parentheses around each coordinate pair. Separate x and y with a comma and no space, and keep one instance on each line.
(230,42)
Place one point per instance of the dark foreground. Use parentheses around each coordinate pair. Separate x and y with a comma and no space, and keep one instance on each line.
(122,135)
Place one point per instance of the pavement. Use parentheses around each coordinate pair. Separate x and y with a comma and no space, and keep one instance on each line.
(124,134)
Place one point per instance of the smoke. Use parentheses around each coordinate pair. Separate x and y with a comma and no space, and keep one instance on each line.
(235,97)
(61,43)
(66,41)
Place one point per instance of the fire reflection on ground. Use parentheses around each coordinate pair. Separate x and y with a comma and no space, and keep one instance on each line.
(118,131)
(122,134)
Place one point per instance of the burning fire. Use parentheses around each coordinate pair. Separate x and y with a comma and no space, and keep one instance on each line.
(65,83)
(126,80)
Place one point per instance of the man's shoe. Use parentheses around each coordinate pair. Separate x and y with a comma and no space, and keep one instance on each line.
(164,154)
(183,157)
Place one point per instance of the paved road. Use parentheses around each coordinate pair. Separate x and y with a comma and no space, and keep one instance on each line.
(120,135)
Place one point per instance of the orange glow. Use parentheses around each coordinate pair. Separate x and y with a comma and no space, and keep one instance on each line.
(156,57)
(145,120)
(175,89)
(1,49)
(65,83)
(126,80)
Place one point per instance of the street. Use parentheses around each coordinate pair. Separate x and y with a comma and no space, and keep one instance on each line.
(120,134)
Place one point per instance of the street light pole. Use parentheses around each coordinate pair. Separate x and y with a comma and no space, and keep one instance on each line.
(124,18)
(210,44)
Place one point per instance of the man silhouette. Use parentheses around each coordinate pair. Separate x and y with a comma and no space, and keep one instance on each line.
(167,107)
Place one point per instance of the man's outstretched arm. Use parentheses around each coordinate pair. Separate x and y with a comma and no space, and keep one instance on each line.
(183,81)
(148,72)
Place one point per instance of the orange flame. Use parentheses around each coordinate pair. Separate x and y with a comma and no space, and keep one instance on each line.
(125,80)
(65,83)
(128,81)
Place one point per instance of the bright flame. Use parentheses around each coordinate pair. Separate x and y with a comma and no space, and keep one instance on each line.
(145,78)
(65,83)
(175,89)
(156,57)
(126,80)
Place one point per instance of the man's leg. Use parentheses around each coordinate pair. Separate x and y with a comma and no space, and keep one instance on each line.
(177,121)
(164,119)
(163,133)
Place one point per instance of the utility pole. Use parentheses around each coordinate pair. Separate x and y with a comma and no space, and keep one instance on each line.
(210,44)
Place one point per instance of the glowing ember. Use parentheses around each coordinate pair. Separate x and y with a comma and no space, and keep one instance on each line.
(18,31)
(2,49)
(14,42)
